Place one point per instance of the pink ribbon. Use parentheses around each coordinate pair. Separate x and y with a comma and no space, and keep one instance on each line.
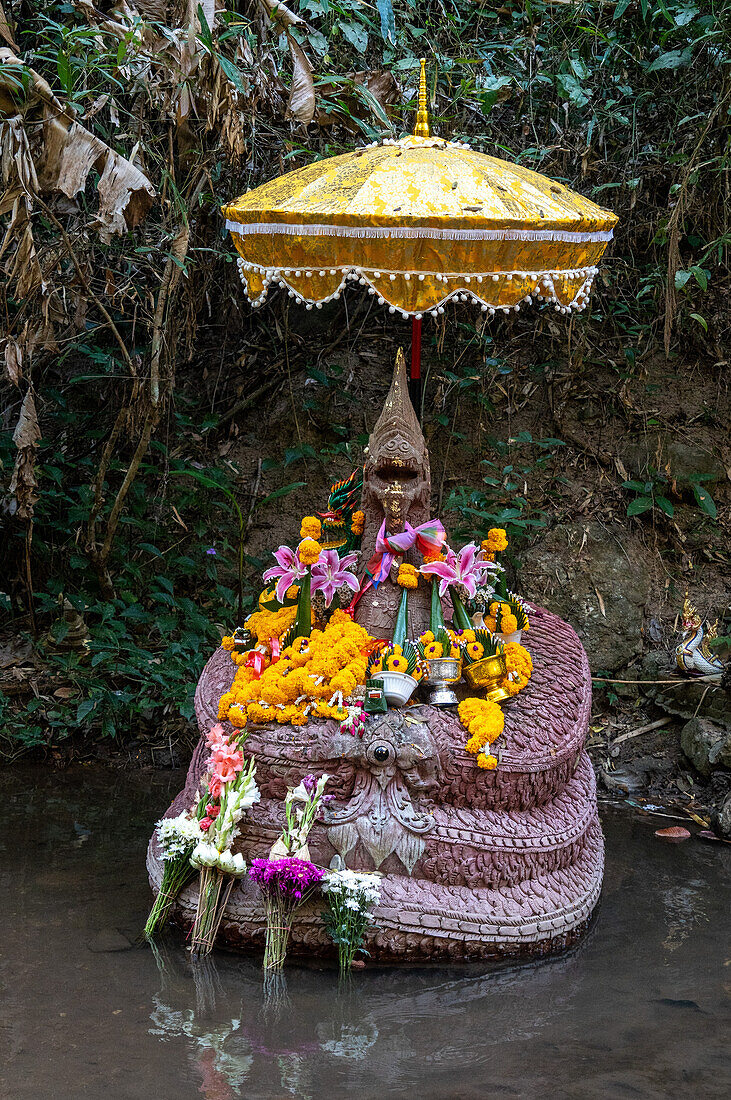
(427,538)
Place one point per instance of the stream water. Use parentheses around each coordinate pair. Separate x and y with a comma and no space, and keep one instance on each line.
(638,1010)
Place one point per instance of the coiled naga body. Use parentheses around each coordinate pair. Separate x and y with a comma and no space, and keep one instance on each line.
(475,864)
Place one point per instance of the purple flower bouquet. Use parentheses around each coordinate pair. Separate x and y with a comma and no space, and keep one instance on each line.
(286,884)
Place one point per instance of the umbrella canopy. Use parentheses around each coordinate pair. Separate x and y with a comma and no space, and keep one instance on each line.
(419,221)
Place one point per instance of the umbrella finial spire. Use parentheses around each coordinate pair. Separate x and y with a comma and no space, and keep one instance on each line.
(421,129)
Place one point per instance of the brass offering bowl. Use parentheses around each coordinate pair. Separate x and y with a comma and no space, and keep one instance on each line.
(486,674)
(441,672)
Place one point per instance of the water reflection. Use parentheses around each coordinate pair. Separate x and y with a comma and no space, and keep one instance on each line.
(233,1022)
(637,1009)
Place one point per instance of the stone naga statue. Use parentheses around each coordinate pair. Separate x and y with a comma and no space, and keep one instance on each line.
(397,488)
(474,864)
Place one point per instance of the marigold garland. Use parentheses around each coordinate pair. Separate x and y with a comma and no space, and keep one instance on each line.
(314,676)
(267,624)
(483,720)
(519,665)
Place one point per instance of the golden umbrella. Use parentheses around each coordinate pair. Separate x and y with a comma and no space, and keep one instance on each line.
(420,221)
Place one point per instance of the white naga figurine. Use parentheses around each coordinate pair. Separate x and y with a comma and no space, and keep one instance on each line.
(693,655)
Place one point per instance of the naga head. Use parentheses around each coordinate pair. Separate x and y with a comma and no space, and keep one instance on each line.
(397,474)
(691,620)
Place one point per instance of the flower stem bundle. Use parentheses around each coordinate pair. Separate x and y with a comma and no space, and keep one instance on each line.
(286,884)
(231,791)
(351,897)
(178,837)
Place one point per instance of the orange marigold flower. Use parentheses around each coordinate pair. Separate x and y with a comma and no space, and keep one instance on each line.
(311,528)
(497,539)
(309,551)
(488,762)
(407,576)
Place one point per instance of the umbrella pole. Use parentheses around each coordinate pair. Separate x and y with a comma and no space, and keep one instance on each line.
(415,375)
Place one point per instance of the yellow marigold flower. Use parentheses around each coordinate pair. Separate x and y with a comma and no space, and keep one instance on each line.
(407,576)
(475,650)
(237,718)
(508,623)
(396,663)
(427,636)
(474,745)
(433,651)
(340,618)
(310,528)
(489,762)
(224,703)
(496,540)
(227,643)
(358,524)
(309,551)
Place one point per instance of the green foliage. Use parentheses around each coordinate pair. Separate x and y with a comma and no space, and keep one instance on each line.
(649,494)
(626,103)
(505,501)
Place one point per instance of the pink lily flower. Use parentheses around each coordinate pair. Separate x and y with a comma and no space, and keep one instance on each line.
(289,570)
(463,568)
(332,572)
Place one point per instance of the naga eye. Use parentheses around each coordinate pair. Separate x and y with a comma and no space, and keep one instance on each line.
(381,752)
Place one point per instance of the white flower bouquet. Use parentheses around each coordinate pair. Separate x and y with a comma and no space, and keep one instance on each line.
(351,897)
(178,837)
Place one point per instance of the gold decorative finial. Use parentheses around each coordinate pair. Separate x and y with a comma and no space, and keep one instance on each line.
(421,129)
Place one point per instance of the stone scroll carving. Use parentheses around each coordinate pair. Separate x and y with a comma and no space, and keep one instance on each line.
(397,762)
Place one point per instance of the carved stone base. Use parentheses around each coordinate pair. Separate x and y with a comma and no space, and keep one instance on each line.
(476,864)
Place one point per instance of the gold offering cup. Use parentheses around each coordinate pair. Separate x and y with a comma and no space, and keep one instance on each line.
(486,674)
(441,672)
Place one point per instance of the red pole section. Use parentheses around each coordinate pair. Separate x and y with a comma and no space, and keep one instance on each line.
(415,347)
(415,374)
